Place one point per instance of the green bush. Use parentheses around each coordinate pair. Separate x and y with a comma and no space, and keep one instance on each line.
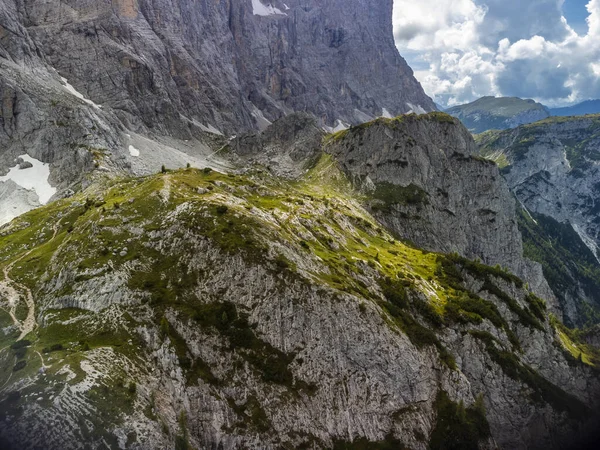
(389,443)
(20,344)
(222,209)
(542,389)
(20,365)
(457,427)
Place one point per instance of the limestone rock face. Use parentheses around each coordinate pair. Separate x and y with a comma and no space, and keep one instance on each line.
(287,148)
(224,64)
(553,168)
(131,85)
(426,183)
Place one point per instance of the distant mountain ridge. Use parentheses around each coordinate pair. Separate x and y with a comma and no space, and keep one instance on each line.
(580,109)
(501,113)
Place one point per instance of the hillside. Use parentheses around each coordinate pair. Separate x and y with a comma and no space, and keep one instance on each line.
(491,113)
(193,308)
(553,169)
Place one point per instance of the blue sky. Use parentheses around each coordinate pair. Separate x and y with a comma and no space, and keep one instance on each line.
(575,12)
(461,50)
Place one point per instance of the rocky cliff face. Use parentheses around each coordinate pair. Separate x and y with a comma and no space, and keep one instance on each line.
(498,113)
(425,182)
(553,169)
(227,65)
(130,85)
(205,310)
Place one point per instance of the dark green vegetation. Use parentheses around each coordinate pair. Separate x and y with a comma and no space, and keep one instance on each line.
(389,195)
(451,269)
(457,427)
(389,443)
(567,262)
(541,389)
(397,305)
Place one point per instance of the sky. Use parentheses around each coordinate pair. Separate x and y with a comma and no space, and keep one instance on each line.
(460,50)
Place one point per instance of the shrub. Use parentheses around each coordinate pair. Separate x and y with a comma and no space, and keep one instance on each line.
(20,344)
(458,427)
(20,365)
(222,209)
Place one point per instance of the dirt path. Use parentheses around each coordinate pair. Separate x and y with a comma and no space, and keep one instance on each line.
(44,366)
(165,192)
(14,292)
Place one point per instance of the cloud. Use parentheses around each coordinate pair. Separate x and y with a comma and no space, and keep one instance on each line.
(464,49)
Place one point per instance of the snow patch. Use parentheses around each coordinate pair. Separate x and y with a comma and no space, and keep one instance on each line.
(416,109)
(261,120)
(134,151)
(259,9)
(69,88)
(339,126)
(362,116)
(386,114)
(34,178)
(210,129)
(527,211)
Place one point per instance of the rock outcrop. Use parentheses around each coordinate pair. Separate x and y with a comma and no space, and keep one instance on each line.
(553,168)
(226,65)
(424,181)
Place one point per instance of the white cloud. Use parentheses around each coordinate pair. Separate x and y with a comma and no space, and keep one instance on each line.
(470,48)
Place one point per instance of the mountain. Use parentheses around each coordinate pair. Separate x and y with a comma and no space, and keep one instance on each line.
(272,307)
(581,109)
(553,168)
(240,224)
(131,85)
(489,113)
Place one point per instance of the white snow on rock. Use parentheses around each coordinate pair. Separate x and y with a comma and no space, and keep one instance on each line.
(587,240)
(416,109)
(362,117)
(22,190)
(261,120)
(211,129)
(339,126)
(134,151)
(77,94)
(35,178)
(259,9)
(386,114)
